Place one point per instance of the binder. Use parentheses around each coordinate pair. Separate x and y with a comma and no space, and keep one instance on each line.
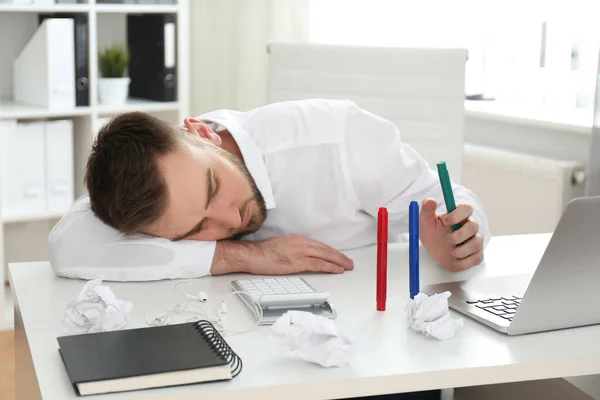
(8,132)
(24,181)
(59,165)
(41,75)
(81,41)
(144,358)
(152,41)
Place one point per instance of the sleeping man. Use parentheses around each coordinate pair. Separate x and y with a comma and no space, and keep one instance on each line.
(277,190)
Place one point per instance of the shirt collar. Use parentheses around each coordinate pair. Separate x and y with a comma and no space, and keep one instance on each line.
(250,151)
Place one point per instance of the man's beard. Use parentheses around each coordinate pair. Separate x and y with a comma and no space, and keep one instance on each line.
(258,218)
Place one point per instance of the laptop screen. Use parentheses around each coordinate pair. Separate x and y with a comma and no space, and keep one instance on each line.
(593,183)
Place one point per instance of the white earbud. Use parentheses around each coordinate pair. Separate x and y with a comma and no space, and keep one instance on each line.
(202,296)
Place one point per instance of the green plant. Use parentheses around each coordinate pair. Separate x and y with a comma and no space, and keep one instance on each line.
(113,61)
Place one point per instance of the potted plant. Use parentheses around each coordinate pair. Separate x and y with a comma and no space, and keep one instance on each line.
(113,85)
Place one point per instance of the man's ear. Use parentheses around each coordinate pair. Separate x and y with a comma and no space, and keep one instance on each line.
(199,128)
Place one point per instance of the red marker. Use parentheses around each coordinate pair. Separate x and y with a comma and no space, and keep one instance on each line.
(382,240)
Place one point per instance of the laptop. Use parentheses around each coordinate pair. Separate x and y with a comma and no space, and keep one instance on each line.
(563,292)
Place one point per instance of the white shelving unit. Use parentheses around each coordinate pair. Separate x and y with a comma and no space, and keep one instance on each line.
(23,238)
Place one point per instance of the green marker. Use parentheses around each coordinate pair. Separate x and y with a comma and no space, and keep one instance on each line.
(447,190)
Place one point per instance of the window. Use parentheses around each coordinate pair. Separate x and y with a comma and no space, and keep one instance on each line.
(525,52)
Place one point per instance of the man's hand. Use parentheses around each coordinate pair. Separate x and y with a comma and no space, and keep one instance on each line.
(282,255)
(455,251)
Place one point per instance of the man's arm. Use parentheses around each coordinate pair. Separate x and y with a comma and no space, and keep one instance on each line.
(282,255)
(81,246)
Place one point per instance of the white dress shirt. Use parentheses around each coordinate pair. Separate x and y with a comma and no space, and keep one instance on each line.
(324,168)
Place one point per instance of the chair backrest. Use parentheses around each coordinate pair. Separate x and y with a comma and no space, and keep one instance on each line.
(421,90)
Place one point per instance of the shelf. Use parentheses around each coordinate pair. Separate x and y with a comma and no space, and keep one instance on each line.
(12,110)
(137,8)
(84,8)
(43,8)
(138,105)
(15,219)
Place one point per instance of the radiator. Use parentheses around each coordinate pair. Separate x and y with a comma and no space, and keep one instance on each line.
(521,193)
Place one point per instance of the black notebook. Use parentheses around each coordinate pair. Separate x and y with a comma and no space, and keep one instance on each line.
(147,358)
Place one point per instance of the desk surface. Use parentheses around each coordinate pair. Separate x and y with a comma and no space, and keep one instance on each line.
(391,358)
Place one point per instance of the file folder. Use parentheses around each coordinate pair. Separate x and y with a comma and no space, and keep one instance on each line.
(59,165)
(41,75)
(23,175)
(152,41)
(8,132)
(81,57)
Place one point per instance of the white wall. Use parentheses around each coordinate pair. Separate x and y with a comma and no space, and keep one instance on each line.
(561,143)
(229,48)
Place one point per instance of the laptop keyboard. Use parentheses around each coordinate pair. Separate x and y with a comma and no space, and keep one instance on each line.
(504,307)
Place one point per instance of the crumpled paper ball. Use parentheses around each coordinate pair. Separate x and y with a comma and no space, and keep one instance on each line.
(430,316)
(313,338)
(96,309)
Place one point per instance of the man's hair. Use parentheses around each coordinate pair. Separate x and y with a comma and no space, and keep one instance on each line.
(127,190)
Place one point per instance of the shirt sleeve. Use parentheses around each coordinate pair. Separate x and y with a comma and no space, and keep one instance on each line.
(386,172)
(82,246)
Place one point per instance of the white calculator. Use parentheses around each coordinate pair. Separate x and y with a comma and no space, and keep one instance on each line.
(285,292)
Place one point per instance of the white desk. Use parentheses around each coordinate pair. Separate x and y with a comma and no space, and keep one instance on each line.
(391,358)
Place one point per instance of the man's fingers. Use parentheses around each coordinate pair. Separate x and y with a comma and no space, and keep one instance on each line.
(471,246)
(468,230)
(466,263)
(319,265)
(428,209)
(327,253)
(460,214)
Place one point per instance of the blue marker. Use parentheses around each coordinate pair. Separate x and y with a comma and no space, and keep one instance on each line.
(413,249)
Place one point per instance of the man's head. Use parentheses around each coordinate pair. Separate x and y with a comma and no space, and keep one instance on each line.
(146,176)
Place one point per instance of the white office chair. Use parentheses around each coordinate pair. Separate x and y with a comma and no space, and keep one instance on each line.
(420,90)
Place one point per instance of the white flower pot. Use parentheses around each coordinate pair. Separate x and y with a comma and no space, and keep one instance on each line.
(113,91)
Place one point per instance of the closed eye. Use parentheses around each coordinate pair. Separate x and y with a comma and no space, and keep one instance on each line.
(202,224)
(216,186)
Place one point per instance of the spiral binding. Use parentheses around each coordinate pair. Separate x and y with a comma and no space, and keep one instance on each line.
(218,344)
